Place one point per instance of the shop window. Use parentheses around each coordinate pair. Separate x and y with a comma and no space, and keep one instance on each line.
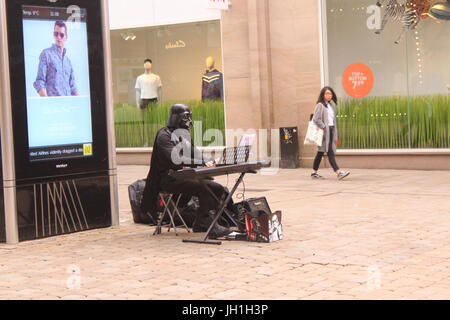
(185,67)
(388,63)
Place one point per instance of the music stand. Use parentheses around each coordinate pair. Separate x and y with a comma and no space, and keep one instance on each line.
(234,155)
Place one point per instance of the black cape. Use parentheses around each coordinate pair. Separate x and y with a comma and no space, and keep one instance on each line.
(161,163)
(151,190)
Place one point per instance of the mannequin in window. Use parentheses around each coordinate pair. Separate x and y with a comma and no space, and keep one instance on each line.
(148,86)
(212,82)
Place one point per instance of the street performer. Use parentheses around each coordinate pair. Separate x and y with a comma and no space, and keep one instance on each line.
(174,150)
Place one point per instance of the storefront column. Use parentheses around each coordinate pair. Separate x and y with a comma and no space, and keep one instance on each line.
(260,60)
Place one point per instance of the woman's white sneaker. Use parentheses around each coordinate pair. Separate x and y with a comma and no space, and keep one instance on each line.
(341,175)
(316,175)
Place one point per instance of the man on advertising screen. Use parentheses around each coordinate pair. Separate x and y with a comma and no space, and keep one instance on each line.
(55,75)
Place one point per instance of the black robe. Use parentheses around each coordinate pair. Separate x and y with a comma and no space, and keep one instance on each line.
(161,163)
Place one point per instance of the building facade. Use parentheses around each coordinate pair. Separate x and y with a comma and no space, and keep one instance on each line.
(386,64)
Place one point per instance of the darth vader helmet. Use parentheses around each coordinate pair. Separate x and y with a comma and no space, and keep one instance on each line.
(180,117)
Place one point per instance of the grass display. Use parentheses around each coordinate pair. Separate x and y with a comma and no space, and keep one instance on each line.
(136,128)
(394,122)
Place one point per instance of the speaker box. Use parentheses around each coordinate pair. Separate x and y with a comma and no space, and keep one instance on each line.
(261,224)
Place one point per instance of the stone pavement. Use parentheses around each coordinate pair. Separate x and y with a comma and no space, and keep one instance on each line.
(380,234)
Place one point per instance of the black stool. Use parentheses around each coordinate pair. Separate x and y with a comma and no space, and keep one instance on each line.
(171,208)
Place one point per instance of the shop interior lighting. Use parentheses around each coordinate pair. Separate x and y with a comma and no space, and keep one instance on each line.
(128,36)
(419,54)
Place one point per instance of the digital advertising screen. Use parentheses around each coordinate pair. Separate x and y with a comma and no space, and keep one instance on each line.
(57,82)
(58,87)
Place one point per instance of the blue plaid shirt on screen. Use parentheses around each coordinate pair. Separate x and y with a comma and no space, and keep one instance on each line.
(55,73)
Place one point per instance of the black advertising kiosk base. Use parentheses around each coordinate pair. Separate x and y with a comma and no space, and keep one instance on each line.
(56,207)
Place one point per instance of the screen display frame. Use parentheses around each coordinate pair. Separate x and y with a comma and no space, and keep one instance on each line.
(25,168)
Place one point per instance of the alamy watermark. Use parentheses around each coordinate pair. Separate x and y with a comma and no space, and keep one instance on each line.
(74,280)
(264,145)
(374,278)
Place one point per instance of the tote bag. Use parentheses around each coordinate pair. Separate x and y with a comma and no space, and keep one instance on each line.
(314,135)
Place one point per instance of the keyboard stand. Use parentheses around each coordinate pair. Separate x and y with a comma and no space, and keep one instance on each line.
(219,202)
(223,205)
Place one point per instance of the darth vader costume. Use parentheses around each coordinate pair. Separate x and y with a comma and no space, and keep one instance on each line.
(174,149)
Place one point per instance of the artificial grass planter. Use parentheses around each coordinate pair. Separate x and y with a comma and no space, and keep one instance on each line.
(136,128)
(394,122)
(397,122)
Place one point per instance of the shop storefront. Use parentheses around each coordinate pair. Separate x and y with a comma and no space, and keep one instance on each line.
(163,60)
(387,61)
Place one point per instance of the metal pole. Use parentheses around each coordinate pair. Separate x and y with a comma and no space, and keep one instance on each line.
(110,116)
(9,177)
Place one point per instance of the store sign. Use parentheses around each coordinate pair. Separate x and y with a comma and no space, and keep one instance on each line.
(218,4)
(358,80)
(176,45)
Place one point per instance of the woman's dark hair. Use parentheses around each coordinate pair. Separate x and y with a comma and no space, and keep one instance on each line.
(148,60)
(322,96)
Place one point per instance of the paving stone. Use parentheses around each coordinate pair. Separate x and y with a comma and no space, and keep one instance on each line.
(374,238)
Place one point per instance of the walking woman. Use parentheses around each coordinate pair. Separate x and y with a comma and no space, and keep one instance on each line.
(325,118)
